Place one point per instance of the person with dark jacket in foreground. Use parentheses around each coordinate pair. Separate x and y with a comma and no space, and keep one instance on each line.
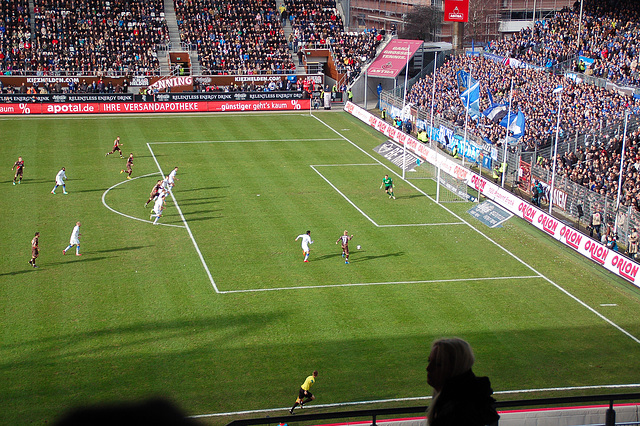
(459,397)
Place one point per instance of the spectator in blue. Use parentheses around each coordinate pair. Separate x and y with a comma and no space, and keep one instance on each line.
(379,90)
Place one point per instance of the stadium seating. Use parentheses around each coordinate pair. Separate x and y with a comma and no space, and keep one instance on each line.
(81,37)
(609,34)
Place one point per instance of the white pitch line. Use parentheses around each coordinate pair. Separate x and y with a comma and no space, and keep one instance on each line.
(342,165)
(452,280)
(421,224)
(344,196)
(186,225)
(104,194)
(417,398)
(247,141)
(563,290)
(360,210)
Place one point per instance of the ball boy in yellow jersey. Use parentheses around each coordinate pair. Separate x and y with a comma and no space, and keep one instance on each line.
(304,394)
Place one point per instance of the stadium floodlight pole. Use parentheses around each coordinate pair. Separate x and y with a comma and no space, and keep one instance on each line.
(404,99)
(534,13)
(557,90)
(624,141)
(466,114)
(433,98)
(506,139)
(579,28)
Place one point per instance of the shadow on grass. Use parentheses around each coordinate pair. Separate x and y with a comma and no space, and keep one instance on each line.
(86,257)
(30,181)
(198,203)
(146,333)
(90,190)
(327,256)
(204,189)
(121,249)
(198,219)
(25,271)
(200,212)
(49,264)
(372,257)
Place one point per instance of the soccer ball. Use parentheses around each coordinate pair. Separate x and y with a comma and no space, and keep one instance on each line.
(358,247)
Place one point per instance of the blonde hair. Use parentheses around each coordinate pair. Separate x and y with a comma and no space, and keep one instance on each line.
(453,357)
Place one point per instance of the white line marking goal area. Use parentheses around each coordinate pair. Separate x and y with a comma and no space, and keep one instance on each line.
(377,225)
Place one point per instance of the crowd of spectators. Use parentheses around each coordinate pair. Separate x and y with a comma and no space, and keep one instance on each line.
(237,37)
(15,34)
(585,109)
(75,37)
(317,24)
(94,36)
(609,35)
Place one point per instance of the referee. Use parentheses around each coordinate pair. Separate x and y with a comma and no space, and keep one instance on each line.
(304,395)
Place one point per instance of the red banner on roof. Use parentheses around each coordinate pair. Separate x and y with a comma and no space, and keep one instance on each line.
(393,58)
(456,10)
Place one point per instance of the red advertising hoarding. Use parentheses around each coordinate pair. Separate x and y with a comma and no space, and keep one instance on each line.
(393,58)
(456,10)
(146,107)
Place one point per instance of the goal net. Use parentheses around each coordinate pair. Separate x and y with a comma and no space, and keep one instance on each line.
(449,188)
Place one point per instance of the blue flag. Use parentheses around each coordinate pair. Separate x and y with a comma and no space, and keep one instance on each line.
(497,112)
(469,93)
(517,124)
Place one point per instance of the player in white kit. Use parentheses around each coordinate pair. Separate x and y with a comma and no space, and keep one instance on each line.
(74,240)
(306,240)
(60,177)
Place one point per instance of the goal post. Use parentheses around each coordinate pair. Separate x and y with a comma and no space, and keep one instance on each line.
(449,189)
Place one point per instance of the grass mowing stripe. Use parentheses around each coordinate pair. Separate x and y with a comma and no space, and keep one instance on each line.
(195,244)
(607,320)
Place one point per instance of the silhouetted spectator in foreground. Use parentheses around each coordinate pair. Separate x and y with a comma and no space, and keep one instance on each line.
(459,397)
(153,412)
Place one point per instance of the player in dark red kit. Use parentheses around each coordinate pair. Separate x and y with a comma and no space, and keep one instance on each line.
(129,167)
(19,166)
(155,192)
(116,147)
(35,250)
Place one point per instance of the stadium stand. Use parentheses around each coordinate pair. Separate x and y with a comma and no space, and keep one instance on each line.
(15,35)
(118,37)
(587,106)
(318,25)
(79,37)
(235,37)
(609,34)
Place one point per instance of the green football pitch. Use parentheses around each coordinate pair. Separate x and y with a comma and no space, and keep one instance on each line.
(214,307)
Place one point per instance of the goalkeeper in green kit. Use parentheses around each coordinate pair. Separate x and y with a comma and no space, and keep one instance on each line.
(387,182)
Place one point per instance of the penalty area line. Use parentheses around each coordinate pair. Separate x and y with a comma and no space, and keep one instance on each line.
(104,202)
(453,280)
(186,225)
(513,255)
(418,398)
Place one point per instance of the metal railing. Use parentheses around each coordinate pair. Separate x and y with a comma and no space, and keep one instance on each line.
(375,414)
